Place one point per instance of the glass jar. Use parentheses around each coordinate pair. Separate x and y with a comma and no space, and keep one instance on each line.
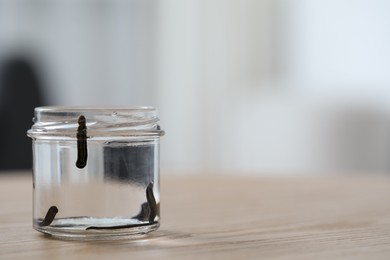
(95,172)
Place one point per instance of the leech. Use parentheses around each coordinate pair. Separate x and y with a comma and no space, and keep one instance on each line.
(121,226)
(143,215)
(50,215)
(152,202)
(82,151)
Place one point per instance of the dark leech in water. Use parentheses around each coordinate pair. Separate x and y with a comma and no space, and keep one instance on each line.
(143,215)
(120,226)
(50,215)
(152,202)
(82,151)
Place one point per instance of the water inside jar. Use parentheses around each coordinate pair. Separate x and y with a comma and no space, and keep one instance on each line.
(108,196)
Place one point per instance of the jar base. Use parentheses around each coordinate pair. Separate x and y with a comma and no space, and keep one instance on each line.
(88,228)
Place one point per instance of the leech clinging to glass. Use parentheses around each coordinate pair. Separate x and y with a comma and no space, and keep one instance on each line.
(82,151)
(50,215)
(152,202)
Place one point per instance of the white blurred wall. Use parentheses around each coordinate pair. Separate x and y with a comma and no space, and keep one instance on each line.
(275,86)
(257,86)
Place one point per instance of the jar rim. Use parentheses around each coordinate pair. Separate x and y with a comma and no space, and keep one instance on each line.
(106,109)
(100,121)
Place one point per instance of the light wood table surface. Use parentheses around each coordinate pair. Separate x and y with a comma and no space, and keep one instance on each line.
(225,217)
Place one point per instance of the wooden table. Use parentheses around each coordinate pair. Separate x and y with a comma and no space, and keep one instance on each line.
(225,217)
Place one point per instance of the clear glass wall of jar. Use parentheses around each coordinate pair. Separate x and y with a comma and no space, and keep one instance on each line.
(95,172)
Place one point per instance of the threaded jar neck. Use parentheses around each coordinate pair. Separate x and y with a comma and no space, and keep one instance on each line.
(59,121)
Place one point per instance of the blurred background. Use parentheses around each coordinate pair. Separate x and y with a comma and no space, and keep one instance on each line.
(243,87)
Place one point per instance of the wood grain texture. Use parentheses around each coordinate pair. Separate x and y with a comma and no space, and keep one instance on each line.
(222,217)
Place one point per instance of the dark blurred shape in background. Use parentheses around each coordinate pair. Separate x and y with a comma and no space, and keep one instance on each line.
(20,93)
